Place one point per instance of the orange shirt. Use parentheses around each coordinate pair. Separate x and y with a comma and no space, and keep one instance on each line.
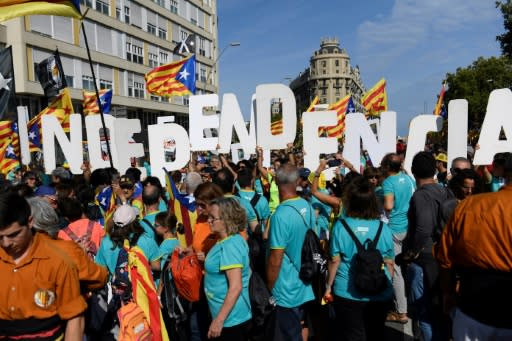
(203,239)
(90,274)
(79,227)
(43,284)
(479,233)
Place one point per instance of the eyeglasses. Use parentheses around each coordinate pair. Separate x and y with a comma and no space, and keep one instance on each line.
(157,225)
(213,219)
(455,170)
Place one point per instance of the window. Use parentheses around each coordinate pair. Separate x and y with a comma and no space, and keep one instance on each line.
(87,83)
(337,62)
(127,15)
(154,98)
(87,3)
(164,56)
(153,59)
(324,92)
(193,21)
(324,63)
(185,100)
(162,33)
(138,89)
(159,2)
(151,29)
(202,50)
(102,7)
(118,13)
(70,81)
(104,84)
(174,6)
(134,53)
(184,35)
(203,75)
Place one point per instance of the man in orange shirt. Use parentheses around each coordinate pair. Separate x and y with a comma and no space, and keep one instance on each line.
(476,246)
(40,293)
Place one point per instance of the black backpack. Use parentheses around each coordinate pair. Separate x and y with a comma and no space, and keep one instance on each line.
(262,303)
(367,269)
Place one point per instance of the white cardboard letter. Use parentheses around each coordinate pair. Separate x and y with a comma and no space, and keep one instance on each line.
(230,117)
(199,122)
(314,145)
(418,129)
(93,124)
(457,129)
(125,128)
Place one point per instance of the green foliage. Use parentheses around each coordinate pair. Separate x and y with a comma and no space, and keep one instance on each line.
(505,39)
(476,82)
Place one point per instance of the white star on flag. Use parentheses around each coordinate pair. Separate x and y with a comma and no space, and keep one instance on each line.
(103,201)
(102,101)
(4,82)
(31,135)
(10,151)
(184,74)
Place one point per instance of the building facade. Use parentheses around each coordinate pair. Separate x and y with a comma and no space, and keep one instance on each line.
(127,39)
(330,76)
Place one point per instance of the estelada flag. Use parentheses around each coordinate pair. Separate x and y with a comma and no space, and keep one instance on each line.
(182,208)
(8,158)
(9,130)
(17,8)
(174,79)
(90,102)
(61,107)
(439,104)
(341,109)
(375,100)
(51,75)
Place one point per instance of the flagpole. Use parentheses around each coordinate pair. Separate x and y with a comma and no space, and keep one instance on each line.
(106,134)
(19,144)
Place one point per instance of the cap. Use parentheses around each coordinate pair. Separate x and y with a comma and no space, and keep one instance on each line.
(304,172)
(442,157)
(126,180)
(124,215)
(44,190)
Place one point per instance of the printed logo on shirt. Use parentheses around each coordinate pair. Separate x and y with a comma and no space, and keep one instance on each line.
(44,298)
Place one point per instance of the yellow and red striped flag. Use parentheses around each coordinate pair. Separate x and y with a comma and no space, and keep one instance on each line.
(313,103)
(8,159)
(61,107)
(276,127)
(341,109)
(439,104)
(183,209)
(90,103)
(174,79)
(9,129)
(375,100)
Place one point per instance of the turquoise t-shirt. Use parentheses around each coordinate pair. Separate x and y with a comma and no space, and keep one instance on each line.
(249,211)
(229,253)
(261,207)
(258,186)
(402,187)
(497,183)
(324,214)
(342,245)
(167,248)
(107,253)
(287,232)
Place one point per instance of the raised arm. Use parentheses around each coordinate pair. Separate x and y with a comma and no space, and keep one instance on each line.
(259,154)
(325,198)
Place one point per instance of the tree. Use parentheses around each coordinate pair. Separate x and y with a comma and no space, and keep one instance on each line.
(476,82)
(505,39)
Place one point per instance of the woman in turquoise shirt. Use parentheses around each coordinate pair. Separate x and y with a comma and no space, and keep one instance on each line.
(359,316)
(227,272)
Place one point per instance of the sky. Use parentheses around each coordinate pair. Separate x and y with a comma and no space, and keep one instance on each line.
(411,43)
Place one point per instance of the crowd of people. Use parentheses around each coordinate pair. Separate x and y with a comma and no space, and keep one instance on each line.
(441,237)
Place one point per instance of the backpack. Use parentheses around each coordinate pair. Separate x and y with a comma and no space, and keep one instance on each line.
(262,302)
(367,269)
(177,308)
(85,241)
(133,324)
(187,274)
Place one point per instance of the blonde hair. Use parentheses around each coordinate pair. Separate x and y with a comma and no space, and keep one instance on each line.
(232,213)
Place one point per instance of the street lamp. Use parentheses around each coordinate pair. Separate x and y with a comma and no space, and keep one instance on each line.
(232,44)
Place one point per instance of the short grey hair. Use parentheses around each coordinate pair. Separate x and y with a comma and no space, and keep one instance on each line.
(287,174)
(44,217)
(192,180)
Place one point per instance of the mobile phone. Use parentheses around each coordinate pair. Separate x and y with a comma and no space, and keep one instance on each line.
(334,163)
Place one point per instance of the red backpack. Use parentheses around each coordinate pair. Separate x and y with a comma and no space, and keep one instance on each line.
(187,274)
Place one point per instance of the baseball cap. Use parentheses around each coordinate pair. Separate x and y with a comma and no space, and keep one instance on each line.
(44,190)
(124,215)
(304,173)
(442,157)
(126,181)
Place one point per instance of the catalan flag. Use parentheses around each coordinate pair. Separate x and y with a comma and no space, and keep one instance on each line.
(106,200)
(341,109)
(9,130)
(183,209)
(61,107)
(375,100)
(90,103)
(8,159)
(144,291)
(17,8)
(174,79)
(313,103)
(276,127)
(438,110)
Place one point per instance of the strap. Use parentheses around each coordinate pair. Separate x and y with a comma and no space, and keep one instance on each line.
(148,223)
(71,234)
(377,236)
(90,226)
(254,200)
(353,235)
